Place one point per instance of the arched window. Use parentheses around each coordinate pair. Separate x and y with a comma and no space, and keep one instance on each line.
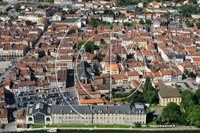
(39,118)
(47,119)
(30,119)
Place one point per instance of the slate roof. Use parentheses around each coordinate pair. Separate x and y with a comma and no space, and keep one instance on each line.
(39,107)
(82,71)
(166,92)
(85,109)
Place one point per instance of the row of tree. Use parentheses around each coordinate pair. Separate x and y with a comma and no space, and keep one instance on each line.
(3,13)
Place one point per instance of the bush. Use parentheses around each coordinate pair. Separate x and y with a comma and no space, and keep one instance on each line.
(138,125)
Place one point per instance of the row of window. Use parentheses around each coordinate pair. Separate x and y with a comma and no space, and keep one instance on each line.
(98,122)
(97,118)
(138,115)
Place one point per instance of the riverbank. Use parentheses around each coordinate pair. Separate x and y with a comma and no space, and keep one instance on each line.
(151,129)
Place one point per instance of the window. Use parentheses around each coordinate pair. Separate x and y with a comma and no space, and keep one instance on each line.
(39,118)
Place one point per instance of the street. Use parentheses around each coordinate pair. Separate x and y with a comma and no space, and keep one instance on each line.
(184,25)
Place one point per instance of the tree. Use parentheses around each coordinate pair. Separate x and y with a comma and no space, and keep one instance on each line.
(86,97)
(17,7)
(56,43)
(148,21)
(128,24)
(194,117)
(70,11)
(157,69)
(141,21)
(188,24)
(71,31)
(139,9)
(137,124)
(197,96)
(118,95)
(3,13)
(94,22)
(187,101)
(164,23)
(40,6)
(122,15)
(171,112)
(94,104)
(182,119)
(89,46)
(16,17)
(159,120)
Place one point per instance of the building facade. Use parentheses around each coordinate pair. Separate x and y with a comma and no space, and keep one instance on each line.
(91,114)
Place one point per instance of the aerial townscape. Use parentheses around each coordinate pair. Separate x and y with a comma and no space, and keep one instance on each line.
(99,64)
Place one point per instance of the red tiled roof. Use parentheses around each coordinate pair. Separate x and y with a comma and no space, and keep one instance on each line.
(90,101)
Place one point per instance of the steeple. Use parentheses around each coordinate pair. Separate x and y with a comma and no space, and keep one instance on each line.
(83,54)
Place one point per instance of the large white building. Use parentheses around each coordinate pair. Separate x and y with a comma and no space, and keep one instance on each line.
(42,113)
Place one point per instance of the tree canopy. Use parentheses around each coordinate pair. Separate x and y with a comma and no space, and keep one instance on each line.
(164,23)
(3,13)
(71,31)
(89,46)
(171,112)
(194,117)
(149,95)
(17,7)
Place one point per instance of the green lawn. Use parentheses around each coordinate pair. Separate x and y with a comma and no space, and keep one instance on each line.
(91,126)
(154,106)
(37,126)
(149,110)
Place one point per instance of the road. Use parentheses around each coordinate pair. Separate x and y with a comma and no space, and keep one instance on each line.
(181,83)
(4,9)
(8,71)
(5,74)
(184,25)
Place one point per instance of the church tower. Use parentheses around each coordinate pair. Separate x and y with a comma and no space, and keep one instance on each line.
(83,54)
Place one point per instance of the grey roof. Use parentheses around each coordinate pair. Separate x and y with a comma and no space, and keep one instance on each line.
(82,109)
(103,87)
(39,107)
(68,20)
(85,109)
(167,92)
(170,56)
(138,13)
(81,70)
(178,56)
